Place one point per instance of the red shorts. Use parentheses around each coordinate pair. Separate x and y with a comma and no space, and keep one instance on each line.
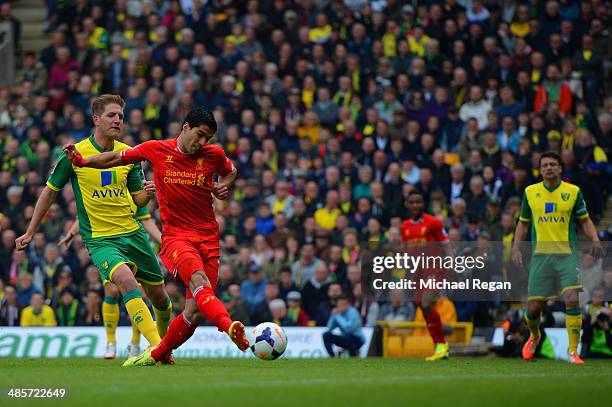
(183,256)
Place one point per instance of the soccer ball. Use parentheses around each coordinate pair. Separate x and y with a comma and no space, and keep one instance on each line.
(269,341)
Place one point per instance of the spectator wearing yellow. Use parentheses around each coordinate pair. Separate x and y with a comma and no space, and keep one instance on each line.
(389,38)
(99,38)
(325,217)
(344,95)
(237,36)
(38,313)
(568,133)
(310,127)
(281,201)
(417,41)
(520,27)
(322,32)
(308,91)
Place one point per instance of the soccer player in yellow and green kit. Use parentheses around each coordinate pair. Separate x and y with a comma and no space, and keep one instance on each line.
(553,207)
(116,242)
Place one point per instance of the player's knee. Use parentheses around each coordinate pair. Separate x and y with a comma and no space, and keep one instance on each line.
(571,298)
(124,279)
(111,290)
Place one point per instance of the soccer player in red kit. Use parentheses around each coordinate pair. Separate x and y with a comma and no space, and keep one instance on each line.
(183,169)
(418,230)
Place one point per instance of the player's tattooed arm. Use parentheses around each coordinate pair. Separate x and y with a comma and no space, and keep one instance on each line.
(108,159)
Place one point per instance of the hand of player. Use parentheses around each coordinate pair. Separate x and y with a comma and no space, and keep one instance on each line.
(221,191)
(517,256)
(149,188)
(74,156)
(335,311)
(23,241)
(66,240)
(597,250)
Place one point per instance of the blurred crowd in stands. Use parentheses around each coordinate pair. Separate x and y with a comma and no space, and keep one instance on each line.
(333,111)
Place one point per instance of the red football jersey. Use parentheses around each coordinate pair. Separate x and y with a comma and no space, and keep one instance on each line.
(184,183)
(427,229)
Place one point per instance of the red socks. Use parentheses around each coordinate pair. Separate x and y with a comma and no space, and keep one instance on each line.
(211,308)
(179,331)
(434,325)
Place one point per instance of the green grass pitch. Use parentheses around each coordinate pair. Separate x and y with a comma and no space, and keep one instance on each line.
(373,382)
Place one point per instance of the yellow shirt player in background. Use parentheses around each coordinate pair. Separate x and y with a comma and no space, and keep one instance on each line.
(553,207)
(37,313)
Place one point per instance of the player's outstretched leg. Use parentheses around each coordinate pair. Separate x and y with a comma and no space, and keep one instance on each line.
(212,309)
(532,317)
(110,317)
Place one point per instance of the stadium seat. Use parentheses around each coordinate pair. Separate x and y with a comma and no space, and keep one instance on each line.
(405,339)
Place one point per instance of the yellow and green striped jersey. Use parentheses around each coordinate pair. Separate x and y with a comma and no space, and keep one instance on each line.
(104,203)
(552,213)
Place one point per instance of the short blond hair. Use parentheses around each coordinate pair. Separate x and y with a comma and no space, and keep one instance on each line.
(99,103)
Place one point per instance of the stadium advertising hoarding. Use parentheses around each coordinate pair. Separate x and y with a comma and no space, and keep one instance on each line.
(207,342)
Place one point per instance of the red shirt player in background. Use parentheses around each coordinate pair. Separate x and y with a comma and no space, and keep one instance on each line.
(419,229)
(183,170)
